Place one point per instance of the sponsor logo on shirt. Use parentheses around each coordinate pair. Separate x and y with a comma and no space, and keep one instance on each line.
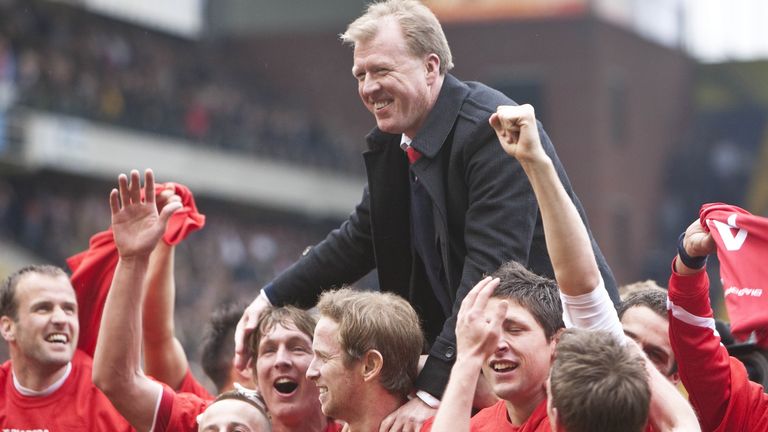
(741,292)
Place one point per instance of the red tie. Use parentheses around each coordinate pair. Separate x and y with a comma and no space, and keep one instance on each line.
(413,155)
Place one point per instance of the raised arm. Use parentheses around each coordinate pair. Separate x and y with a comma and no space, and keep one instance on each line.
(164,357)
(476,340)
(137,227)
(706,370)
(568,243)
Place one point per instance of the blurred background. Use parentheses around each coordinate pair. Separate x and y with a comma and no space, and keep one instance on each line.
(654,106)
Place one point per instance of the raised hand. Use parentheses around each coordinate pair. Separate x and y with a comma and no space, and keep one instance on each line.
(518,133)
(477,332)
(244,328)
(697,241)
(136,224)
(166,196)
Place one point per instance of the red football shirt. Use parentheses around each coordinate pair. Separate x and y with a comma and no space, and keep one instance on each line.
(76,406)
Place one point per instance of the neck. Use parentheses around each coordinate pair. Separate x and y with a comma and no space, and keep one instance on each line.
(315,421)
(374,412)
(34,377)
(520,411)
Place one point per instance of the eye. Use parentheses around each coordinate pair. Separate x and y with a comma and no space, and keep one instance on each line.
(269,349)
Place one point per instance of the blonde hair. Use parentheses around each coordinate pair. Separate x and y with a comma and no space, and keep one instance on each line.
(377,321)
(422,31)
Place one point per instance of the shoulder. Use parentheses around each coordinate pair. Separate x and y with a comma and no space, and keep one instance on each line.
(495,415)
(184,409)
(482,101)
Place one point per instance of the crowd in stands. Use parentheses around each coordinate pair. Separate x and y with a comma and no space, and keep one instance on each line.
(66,60)
(545,341)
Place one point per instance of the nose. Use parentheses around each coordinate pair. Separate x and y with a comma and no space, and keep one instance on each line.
(313,371)
(368,86)
(501,346)
(282,357)
(58,316)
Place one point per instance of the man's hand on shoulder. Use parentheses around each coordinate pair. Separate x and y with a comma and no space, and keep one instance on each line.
(245,327)
(408,418)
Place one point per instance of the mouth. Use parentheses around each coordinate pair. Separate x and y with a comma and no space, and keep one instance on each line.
(57,338)
(381,105)
(322,394)
(285,386)
(503,366)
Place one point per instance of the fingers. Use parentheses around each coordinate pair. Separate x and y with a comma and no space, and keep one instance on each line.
(149,186)
(169,210)
(485,293)
(388,422)
(134,188)
(114,201)
(244,327)
(498,316)
(469,299)
(495,122)
(240,334)
(122,184)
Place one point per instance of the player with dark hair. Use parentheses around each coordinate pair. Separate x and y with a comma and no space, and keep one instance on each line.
(46,385)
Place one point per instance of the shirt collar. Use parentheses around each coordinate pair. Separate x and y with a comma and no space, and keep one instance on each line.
(46,391)
(405,142)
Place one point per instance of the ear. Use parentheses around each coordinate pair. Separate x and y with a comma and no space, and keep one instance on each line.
(432,68)
(556,421)
(372,364)
(675,378)
(8,328)
(553,343)
(244,377)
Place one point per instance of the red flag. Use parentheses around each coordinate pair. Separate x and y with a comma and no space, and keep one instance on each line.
(742,248)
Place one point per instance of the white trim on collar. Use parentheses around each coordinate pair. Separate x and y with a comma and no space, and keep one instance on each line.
(46,391)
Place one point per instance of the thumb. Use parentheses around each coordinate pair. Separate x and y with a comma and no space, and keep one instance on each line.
(495,121)
(169,210)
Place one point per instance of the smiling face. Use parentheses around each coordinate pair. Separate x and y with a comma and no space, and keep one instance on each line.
(337,382)
(284,354)
(518,369)
(44,335)
(231,415)
(397,87)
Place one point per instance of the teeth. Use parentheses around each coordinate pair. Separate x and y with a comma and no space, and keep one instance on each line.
(58,337)
(283,381)
(502,366)
(379,105)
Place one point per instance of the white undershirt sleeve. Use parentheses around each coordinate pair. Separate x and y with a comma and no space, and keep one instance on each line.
(592,311)
(157,405)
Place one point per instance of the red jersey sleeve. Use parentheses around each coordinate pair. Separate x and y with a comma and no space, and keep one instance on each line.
(189,384)
(177,412)
(717,385)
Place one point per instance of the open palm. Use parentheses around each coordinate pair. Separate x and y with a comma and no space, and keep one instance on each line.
(136,225)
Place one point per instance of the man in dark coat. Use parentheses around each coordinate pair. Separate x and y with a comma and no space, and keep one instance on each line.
(444,204)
